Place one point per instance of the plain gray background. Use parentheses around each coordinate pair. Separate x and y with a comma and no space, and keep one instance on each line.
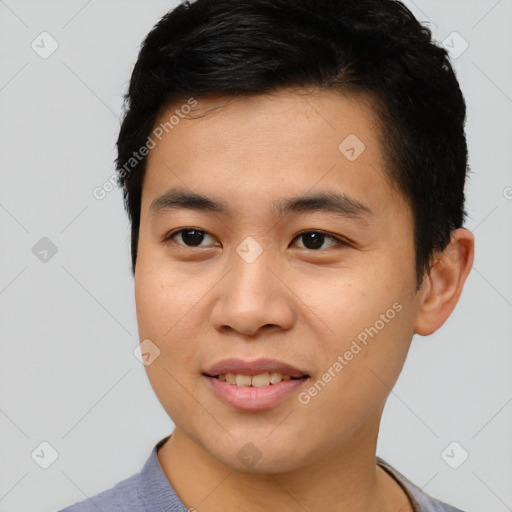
(68,373)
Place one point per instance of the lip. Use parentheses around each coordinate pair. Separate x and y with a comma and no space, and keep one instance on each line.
(250,398)
(255,367)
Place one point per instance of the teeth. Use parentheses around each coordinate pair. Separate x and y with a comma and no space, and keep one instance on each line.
(276,378)
(257,381)
(261,380)
(243,380)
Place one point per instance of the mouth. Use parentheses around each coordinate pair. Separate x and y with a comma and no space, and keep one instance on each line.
(254,385)
(256,373)
(257,381)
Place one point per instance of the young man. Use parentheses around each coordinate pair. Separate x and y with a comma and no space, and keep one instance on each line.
(294,174)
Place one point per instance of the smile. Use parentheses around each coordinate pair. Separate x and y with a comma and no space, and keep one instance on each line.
(257,381)
(254,385)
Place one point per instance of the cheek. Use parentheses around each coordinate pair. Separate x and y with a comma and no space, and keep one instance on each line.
(347,300)
(162,318)
(167,314)
(163,300)
(151,304)
(359,371)
(368,319)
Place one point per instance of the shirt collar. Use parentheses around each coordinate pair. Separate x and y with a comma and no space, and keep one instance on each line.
(154,489)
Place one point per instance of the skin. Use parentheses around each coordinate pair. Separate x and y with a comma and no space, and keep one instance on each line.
(304,306)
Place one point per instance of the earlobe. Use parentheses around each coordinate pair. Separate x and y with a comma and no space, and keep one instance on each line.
(442,287)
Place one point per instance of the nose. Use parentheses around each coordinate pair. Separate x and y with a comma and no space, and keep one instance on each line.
(253,298)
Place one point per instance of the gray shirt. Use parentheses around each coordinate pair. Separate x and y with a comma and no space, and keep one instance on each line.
(150,491)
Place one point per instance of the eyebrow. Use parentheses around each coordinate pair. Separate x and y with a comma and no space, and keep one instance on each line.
(338,204)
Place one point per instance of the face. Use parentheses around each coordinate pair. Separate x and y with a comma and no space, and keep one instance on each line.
(293,276)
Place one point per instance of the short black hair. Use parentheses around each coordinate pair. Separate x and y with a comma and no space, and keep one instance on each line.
(249,47)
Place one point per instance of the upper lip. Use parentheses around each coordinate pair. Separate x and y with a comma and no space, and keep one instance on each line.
(254,367)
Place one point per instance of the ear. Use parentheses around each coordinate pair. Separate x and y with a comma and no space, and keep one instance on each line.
(443,285)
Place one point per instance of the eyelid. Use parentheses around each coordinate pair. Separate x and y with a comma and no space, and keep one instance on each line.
(343,242)
(171,234)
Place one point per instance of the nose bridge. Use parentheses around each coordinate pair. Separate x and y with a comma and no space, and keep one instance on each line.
(251,281)
(250,261)
(251,296)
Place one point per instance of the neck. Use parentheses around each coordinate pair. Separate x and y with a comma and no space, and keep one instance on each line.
(346,480)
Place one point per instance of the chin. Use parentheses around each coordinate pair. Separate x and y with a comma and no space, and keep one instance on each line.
(257,455)
(275,463)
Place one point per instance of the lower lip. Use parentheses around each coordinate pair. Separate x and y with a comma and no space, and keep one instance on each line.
(249,398)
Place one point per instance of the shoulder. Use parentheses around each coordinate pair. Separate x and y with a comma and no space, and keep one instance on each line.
(147,491)
(124,496)
(422,501)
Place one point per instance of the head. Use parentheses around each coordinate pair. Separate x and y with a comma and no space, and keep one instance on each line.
(296,193)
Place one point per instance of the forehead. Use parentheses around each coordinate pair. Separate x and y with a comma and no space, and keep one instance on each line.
(289,121)
(264,147)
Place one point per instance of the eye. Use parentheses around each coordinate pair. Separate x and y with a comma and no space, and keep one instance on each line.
(190,237)
(313,240)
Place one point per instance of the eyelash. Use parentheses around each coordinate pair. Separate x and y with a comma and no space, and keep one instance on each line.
(340,241)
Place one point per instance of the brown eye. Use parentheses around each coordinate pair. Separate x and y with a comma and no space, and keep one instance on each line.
(314,240)
(189,237)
